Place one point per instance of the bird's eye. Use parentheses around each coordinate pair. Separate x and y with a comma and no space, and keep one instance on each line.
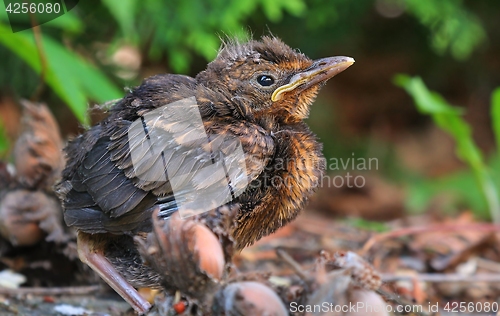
(265,80)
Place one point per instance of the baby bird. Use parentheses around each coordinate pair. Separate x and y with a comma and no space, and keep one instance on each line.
(232,136)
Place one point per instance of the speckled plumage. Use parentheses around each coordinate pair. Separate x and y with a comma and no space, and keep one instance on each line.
(102,192)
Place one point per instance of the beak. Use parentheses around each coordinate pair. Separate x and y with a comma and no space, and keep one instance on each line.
(320,71)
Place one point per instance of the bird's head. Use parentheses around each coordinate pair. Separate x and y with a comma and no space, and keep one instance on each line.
(272,78)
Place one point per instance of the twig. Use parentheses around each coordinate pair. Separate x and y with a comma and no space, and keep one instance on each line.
(37,34)
(444,277)
(484,227)
(392,297)
(8,308)
(416,309)
(488,264)
(292,263)
(432,277)
(70,290)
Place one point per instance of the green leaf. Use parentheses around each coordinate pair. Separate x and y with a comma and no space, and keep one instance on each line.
(453,28)
(454,189)
(374,226)
(21,45)
(295,7)
(179,60)
(124,13)
(204,43)
(449,119)
(73,79)
(272,10)
(76,78)
(68,22)
(495,115)
(4,141)
(3,13)
(427,102)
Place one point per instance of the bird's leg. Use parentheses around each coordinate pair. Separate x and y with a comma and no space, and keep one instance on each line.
(91,252)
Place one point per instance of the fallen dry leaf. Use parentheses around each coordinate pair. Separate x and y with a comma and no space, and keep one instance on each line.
(38,155)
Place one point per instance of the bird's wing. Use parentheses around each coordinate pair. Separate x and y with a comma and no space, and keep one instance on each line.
(156,149)
(101,199)
(188,162)
(98,197)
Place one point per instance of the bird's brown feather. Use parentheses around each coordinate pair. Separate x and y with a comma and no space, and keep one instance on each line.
(105,189)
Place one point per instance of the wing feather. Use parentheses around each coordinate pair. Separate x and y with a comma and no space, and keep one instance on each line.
(148,153)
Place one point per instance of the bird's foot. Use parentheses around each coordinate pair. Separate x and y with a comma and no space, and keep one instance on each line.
(91,253)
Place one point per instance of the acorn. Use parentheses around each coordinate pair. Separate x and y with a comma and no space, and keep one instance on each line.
(248,298)
(185,253)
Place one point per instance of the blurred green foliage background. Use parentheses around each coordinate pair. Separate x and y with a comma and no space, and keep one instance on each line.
(89,55)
